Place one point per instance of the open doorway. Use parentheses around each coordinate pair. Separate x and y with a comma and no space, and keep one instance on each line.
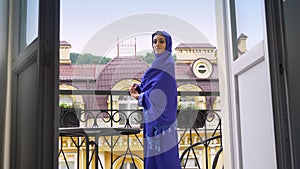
(221,57)
(105,47)
(31,67)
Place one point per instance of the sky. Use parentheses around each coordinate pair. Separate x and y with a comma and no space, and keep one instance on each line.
(250,20)
(80,20)
(84,23)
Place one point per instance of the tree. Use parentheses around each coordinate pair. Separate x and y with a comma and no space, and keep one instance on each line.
(174,57)
(74,57)
(88,58)
(150,57)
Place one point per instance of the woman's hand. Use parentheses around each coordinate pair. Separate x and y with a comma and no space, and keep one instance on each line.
(133,91)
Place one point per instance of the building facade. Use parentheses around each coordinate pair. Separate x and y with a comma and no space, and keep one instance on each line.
(196,71)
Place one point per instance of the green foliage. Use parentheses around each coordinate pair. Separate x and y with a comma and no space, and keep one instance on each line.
(174,57)
(150,57)
(74,57)
(66,105)
(88,59)
(69,105)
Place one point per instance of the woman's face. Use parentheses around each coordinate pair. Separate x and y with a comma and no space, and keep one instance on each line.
(159,44)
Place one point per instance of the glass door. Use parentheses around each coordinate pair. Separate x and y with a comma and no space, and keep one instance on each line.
(34,39)
(243,39)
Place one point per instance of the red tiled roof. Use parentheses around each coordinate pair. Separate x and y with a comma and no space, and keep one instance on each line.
(64,43)
(215,74)
(121,68)
(80,72)
(183,71)
(118,69)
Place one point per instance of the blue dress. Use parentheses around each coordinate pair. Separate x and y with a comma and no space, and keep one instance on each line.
(159,98)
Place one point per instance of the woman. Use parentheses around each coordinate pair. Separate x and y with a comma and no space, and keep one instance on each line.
(157,93)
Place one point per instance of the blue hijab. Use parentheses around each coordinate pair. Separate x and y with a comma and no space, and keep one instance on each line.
(159,88)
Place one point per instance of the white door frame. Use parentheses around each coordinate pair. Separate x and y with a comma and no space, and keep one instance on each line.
(230,95)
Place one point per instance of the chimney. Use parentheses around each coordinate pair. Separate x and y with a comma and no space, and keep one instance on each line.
(241,42)
(64,52)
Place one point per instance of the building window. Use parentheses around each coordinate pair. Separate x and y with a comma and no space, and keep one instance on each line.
(128,165)
(191,164)
(128,109)
(187,102)
(202,68)
(66,99)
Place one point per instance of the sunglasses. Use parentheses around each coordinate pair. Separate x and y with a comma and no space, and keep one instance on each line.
(155,41)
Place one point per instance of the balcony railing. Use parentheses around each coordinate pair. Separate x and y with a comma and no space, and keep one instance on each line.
(112,137)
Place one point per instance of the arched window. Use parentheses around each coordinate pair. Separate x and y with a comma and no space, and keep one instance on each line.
(187,101)
(128,105)
(128,165)
(65,99)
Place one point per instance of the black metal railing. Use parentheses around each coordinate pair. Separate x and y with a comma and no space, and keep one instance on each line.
(191,149)
(196,128)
